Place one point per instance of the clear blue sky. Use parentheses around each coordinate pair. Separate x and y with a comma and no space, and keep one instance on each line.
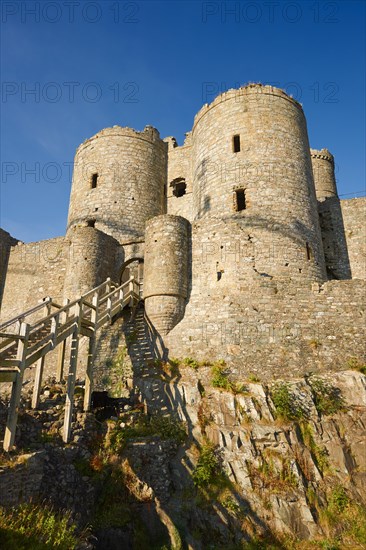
(97,64)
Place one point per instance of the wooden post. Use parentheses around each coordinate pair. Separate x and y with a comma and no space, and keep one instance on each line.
(38,382)
(16,389)
(91,354)
(72,374)
(120,299)
(40,364)
(62,348)
(130,290)
(54,328)
(48,301)
(109,300)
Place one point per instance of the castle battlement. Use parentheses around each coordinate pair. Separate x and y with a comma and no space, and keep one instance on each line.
(250,91)
(323,154)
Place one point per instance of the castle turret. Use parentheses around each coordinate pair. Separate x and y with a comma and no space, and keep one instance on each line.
(91,259)
(119,182)
(166,270)
(252,170)
(330,215)
(323,170)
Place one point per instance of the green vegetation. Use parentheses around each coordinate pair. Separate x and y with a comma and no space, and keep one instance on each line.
(344,520)
(327,398)
(120,369)
(253,378)
(273,473)
(208,465)
(189,362)
(113,508)
(144,426)
(220,379)
(36,527)
(287,405)
(354,363)
(319,454)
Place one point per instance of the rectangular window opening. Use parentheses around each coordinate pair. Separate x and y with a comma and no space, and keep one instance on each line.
(240,200)
(94,180)
(236,143)
(90,223)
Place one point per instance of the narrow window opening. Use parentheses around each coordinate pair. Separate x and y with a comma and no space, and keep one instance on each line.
(90,223)
(94,180)
(309,253)
(240,202)
(236,143)
(219,271)
(179,187)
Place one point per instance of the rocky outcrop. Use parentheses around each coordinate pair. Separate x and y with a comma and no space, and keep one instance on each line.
(284,448)
(284,468)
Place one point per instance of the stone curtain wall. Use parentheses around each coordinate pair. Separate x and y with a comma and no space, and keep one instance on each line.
(354,217)
(35,270)
(131,175)
(273,328)
(6,242)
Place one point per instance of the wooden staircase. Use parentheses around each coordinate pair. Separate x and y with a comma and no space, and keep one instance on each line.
(29,337)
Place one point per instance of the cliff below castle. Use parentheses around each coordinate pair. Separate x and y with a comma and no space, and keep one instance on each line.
(193,460)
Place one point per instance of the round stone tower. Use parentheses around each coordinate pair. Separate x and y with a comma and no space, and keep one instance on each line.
(119,182)
(91,259)
(330,215)
(252,170)
(323,171)
(166,270)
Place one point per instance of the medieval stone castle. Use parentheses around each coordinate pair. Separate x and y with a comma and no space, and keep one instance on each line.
(244,249)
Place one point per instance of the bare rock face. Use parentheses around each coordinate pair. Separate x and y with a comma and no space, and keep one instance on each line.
(285,468)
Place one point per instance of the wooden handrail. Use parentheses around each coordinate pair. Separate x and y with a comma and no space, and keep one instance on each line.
(119,299)
(31,344)
(22,316)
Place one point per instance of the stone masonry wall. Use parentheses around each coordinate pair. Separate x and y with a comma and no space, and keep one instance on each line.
(180,166)
(6,242)
(35,270)
(271,168)
(129,189)
(354,216)
(330,215)
(93,257)
(166,272)
(267,327)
